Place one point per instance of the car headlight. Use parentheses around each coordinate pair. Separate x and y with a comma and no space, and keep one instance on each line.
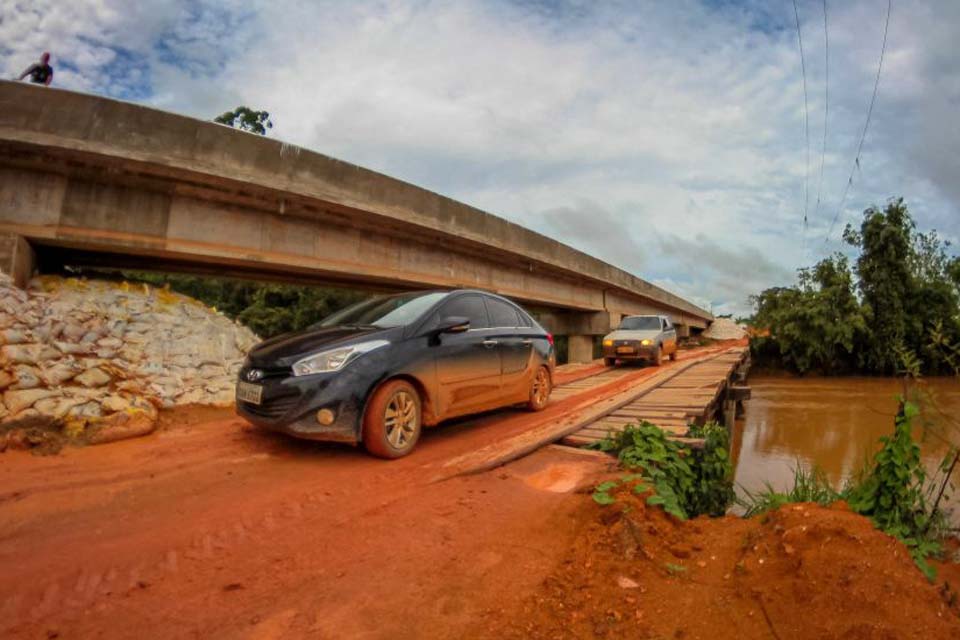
(334,359)
(645,342)
(608,343)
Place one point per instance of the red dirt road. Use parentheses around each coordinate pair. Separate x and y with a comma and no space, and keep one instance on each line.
(217,529)
(212,527)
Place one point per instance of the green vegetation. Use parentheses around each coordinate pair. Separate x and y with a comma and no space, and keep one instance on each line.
(686,482)
(268,309)
(902,289)
(247,119)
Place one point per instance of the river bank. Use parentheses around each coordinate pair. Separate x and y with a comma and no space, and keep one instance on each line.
(833,423)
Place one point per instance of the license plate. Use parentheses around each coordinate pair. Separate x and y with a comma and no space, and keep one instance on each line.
(251,393)
(624,349)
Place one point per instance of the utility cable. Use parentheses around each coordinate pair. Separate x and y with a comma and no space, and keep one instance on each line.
(866,125)
(826,104)
(806,127)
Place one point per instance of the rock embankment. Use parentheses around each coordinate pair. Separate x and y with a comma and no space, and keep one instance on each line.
(93,361)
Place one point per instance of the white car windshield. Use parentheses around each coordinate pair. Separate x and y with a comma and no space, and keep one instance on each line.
(641,323)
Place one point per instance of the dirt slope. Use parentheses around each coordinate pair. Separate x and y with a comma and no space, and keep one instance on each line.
(803,572)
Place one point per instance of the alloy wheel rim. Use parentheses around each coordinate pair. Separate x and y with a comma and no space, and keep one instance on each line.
(540,385)
(401,419)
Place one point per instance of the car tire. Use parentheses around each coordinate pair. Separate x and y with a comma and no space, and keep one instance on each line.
(673,356)
(658,356)
(540,390)
(393,420)
(610,362)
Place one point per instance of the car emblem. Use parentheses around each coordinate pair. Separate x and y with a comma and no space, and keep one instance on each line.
(254,375)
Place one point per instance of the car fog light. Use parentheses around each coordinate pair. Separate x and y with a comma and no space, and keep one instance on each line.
(325,417)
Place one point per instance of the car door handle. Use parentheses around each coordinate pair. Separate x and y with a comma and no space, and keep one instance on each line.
(490,343)
(528,341)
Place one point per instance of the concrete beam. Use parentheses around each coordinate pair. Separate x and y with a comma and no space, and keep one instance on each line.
(17,258)
(579,348)
(114,176)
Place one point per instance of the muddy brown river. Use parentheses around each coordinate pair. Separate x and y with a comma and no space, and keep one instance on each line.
(833,423)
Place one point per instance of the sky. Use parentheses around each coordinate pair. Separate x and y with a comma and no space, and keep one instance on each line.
(666,138)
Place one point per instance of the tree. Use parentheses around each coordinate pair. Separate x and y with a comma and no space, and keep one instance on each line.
(886,255)
(247,119)
(908,284)
(815,325)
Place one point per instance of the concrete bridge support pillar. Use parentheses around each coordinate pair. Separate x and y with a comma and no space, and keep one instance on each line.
(579,348)
(683,330)
(17,258)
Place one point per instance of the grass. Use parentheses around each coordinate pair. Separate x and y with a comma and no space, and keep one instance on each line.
(809,485)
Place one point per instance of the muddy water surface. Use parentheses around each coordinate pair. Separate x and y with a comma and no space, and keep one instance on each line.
(834,423)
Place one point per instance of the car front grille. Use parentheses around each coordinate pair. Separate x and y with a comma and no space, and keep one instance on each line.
(268,372)
(272,408)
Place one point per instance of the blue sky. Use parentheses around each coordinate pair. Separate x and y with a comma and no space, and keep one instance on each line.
(664,137)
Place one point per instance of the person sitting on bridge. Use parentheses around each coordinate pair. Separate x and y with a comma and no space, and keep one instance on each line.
(40,72)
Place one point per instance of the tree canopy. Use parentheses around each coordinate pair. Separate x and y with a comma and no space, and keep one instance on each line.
(901,292)
(247,119)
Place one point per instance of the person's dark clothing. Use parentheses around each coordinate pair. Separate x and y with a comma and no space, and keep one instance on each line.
(40,73)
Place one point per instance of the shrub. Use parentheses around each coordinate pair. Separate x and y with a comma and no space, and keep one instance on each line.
(685,482)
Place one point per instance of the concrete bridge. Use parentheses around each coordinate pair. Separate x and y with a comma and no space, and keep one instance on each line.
(86,180)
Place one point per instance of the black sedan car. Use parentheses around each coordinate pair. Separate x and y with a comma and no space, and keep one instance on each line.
(379,371)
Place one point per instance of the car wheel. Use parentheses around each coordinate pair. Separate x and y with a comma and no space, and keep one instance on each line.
(392,421)
(673,356)
(540,390)
(658,356)
(610,362)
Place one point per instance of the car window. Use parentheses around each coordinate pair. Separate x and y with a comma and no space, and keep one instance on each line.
(502,314)
(640,323)
(469,306)
(525,320)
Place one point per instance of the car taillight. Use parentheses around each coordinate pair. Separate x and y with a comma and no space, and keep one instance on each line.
(550,339)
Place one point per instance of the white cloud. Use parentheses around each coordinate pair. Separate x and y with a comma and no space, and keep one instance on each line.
(680,123)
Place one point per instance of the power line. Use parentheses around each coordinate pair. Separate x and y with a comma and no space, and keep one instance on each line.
(806,126)
(866,125)
(826,104)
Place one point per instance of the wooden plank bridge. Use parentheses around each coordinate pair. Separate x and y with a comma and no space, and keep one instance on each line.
(692,390)
(693,394)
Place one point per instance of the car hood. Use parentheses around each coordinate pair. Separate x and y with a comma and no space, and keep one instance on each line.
(632,334)
(284,350)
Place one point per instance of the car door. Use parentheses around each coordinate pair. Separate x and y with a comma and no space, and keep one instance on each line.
(669,336)
(515,348)
(468,363)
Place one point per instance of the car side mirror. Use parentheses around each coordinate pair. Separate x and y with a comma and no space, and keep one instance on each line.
(452,324)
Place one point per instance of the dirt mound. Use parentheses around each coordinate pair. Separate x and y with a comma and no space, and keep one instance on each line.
(802,572)
(724,329)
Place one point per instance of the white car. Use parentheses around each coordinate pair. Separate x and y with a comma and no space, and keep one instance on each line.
(641,338)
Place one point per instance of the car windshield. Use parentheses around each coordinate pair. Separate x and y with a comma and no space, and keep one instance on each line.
(384,311)
(640,323)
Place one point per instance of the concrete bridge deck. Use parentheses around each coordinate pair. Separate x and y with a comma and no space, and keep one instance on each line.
(89,180)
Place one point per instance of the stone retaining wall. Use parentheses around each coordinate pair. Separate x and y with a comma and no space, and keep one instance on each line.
(93,361)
